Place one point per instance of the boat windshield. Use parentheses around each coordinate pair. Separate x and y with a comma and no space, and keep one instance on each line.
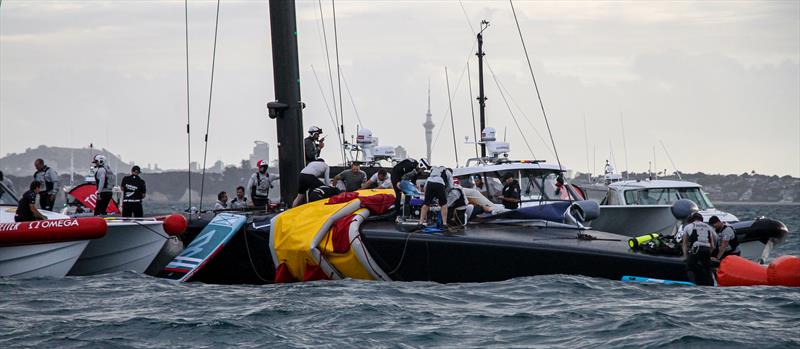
(535,184)
(667,196)
(6,197)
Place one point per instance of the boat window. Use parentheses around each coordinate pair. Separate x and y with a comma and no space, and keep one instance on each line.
(612,198)
(654,196)
(538,185)
(696,195)
(7,198)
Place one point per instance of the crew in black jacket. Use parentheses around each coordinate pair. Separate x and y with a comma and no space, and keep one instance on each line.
(133,192)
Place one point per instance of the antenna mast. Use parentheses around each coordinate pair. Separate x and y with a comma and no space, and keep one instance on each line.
(481,95)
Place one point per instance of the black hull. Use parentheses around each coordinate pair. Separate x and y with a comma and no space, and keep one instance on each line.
(245,259)
(503,252)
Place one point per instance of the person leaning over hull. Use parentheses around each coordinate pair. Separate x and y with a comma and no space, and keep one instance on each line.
(26,209)
(133,192)
(104,179)
(439,182)
(50,184)
(698,239)
(260,183)
(309,179)
(728,243)
(379,180)
(353,178)
(398,172)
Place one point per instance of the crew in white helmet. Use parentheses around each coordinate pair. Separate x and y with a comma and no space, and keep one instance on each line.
(313,144)
(260,183)
(104,179)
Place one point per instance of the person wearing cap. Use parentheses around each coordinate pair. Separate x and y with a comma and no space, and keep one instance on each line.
(104,179)
(728,244)
(698,240)
(50,184)
(353,178)
(313,144)
(511,192)
(134,190)
(260,184)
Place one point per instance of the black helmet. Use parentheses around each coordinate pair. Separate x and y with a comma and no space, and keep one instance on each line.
(695,217)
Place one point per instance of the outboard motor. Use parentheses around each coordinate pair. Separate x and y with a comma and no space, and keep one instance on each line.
(683,208)
(581,212)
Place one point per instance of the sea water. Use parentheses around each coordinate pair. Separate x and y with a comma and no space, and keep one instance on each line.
(127,310)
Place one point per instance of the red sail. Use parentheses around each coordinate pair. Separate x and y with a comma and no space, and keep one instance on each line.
(86,194)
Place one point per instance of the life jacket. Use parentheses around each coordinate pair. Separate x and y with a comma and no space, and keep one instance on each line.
(695,236)
(456,198)
(262,191)
(48,185)
(734,242)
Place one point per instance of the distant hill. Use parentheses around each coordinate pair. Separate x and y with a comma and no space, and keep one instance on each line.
(58,158)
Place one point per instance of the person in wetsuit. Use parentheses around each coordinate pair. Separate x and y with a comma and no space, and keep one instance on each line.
(134,190)
(50,184)
(698,240)
(26,209)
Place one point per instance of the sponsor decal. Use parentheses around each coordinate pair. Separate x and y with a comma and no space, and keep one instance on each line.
(9,226)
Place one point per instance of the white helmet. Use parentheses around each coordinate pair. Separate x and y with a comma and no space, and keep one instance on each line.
(262,163)
(99,159)
(314,129)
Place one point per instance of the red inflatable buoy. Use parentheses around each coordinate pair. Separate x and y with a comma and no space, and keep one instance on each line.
(175,224)
(738,271)
(54,230)
(784,271)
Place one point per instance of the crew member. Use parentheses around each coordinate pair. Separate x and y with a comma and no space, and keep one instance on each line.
(480,186)
(222,201)
(379,180)
(398,171)
(439,182)
(26,209)
(511,192)
(7,183)
(260,183)
(50,185)
(240,201)
(104,179)
(698,240)
(313,144)
(353,178)
(133,192)
(728,244)
(309,179)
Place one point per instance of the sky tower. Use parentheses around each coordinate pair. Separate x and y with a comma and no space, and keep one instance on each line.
(428,125)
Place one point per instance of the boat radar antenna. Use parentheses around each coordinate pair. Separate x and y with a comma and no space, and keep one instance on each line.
(481,94)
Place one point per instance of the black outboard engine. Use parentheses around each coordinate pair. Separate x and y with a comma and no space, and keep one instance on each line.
(581,212)
(683,208)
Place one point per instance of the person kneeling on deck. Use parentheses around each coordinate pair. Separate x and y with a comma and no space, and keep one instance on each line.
(439,182)
(353,178)
(728,244)
(309,179)
(104,179)
(698,240)
(222,201)
(240,201)
(26,210)
(459,208)
(379,180)
(260,184)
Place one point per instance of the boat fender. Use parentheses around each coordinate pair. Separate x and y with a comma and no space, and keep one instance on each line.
(640,240)
(54,230)
(683,208)
(738,271)
(175,224)
(784,271)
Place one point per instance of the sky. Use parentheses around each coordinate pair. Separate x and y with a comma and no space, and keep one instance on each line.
(717,82)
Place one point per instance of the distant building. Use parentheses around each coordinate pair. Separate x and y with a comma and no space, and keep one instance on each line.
(218,167)
(192,166)
(400,152)
(260,152)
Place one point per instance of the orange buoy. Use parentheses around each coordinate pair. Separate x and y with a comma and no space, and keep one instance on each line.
(175,224)
(738,271)
(784,271)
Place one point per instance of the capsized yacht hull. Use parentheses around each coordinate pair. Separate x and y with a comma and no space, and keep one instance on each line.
(129,245)
(40,260)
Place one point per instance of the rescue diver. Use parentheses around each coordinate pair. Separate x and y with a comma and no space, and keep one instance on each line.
(309,179)
(728,243)
(26,209)
(104,179)
(222,201)
(313,144)
(440,181)
(511,192)
(260,184)
(240,201)
(698,240)
(50,184)
(134,190)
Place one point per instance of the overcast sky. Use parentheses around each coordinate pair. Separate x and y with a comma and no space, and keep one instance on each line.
(717,82)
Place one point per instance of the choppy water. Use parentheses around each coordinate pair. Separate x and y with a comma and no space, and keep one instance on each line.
(130,310)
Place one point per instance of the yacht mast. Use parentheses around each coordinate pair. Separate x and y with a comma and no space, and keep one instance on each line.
(287,109)
(481,95)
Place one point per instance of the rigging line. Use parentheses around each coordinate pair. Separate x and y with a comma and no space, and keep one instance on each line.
(188,113)
(466,16)
(324,99)
(538,94)
(677,172)
(339,131)
(494,77)
(338,68)
(624,147)
(586,143)
(458,84)
(353,103)
(208,117)
(472,108)
(452,125)
(513,102)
